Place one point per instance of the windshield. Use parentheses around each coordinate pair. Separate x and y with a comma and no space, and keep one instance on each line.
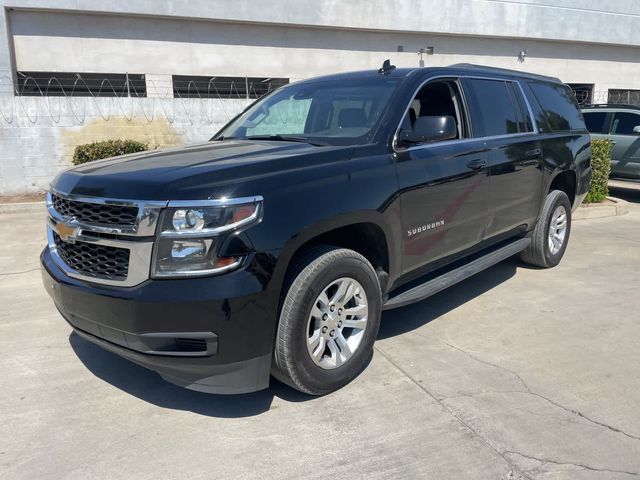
(332,112)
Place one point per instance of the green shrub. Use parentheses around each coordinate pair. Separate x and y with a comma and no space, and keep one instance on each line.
(109,148)
(600,170)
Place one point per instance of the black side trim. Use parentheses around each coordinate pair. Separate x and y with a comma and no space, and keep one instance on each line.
(456,275)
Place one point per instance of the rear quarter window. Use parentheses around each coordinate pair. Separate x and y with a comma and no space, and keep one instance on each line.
(559,107)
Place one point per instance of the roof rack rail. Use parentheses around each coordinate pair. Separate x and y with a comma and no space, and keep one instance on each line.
(504,71)
(612,105)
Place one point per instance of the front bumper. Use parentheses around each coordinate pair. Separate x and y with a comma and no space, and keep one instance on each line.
(211,334)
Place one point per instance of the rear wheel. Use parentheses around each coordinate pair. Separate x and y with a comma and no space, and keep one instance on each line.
(329,321)
(551,234)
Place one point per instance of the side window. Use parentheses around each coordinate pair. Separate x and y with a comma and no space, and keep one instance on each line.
(560,107)
(527,125)
(439,98)
(494,109)
(624,123)
(595,121)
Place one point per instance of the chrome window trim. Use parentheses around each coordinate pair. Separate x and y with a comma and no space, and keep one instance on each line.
(463,140)
(534,123)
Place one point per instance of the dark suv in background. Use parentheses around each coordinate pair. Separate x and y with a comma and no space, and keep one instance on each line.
(274,247)
(621,125)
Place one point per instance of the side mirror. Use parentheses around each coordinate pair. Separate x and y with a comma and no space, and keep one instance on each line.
(430,129)
(636,129)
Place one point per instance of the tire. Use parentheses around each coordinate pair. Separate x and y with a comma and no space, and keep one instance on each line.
(304,357)
(543,252)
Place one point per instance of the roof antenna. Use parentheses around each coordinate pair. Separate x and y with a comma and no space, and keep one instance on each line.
(386,67)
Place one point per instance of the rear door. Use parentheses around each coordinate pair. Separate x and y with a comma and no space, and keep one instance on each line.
(499,114)
(626,144)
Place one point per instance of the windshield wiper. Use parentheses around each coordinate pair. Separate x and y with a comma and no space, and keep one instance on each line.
(220,138)
(286,138)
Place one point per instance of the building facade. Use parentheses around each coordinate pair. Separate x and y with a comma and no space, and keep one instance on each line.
(170,72)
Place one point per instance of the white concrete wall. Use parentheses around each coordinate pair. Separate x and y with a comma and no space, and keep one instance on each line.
(38,135)
(593,21)
(580,41)
(91,43)
(616,22)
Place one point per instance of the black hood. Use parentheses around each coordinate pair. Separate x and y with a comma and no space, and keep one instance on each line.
(197,171)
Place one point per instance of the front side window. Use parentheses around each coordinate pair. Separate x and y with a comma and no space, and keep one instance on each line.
(624,123)
(595,121)
(330,112)
(495,109)
(437,99)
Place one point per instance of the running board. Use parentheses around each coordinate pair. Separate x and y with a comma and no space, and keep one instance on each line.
(457,275)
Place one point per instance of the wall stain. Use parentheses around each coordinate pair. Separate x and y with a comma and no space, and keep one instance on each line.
(158,133)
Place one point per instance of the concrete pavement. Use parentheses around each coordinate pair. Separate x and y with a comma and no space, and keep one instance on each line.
(515,373)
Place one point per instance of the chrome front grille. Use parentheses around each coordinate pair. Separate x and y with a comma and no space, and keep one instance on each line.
(100,240)
(99,261)
(97,213)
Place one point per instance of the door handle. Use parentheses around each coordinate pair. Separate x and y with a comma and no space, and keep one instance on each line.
(534,153)
(477,163)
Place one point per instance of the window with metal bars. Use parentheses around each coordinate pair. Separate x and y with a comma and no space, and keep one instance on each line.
(187,86)
(624,96)
(74,84)
(583,92)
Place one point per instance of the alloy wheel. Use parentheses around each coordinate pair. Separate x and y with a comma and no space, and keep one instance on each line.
(337,323)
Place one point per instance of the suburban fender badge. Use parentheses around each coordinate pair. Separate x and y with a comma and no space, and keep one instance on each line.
(424,228)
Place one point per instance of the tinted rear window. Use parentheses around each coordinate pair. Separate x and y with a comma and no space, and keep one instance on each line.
(494,108)
(560,108)
(595,121)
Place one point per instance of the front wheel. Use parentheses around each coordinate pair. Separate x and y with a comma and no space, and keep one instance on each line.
(329,321)
(551,234)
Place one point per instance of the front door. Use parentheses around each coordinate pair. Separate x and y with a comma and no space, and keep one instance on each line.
(444,185)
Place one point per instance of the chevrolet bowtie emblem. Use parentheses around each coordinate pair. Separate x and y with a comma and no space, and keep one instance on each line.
(66,232)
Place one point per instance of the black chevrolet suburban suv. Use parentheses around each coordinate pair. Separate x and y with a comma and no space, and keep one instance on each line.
(273,248)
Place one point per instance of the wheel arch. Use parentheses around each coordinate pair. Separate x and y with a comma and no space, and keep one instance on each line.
(365,233)
(566,181)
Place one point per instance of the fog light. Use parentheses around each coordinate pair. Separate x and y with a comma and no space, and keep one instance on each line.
(188,249)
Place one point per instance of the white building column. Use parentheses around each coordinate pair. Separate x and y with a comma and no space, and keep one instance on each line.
(159,86)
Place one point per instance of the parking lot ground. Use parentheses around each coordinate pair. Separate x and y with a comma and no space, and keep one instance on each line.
(514,373)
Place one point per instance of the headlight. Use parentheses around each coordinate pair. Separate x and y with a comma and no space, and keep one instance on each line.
(191,234)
